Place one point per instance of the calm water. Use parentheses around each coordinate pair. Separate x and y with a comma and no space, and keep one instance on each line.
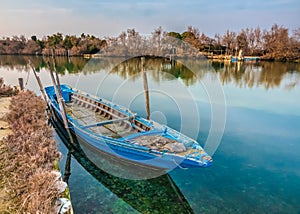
(256,166)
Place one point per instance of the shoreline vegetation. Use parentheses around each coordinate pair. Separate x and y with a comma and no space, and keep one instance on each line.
(260,74)
(29,182)
(274,44)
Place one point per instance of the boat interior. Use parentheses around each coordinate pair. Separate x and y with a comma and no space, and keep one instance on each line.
(100,118)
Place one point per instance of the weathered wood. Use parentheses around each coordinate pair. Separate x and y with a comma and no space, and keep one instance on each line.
(146,88)
(90,118)
(82,102)
(60,101)
(106,122)
(21,83)
(39,82)
(67,168)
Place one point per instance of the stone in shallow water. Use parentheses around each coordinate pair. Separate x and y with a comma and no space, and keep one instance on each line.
(64,206)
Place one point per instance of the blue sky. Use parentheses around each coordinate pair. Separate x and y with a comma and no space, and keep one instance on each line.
(109,18)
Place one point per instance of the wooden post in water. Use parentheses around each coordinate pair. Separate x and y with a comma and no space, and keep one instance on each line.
(67,168)
(21,84)
(146,89)
(39,82)
(60,99)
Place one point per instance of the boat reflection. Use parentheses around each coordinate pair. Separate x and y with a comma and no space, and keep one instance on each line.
(156,195)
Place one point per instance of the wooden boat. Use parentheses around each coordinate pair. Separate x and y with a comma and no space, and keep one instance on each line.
(117,131)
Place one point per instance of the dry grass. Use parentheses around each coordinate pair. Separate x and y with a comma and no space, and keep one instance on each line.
(28,156)
(7,90)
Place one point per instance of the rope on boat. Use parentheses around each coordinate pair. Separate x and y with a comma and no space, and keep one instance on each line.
(179,164)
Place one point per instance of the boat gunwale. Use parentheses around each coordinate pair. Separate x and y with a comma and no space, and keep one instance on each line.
(121,141)
(128,144)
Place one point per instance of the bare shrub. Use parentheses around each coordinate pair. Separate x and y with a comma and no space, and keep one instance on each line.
(29,156)
(40,192)
(7,90)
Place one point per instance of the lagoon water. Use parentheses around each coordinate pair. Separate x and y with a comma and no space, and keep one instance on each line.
(255,108)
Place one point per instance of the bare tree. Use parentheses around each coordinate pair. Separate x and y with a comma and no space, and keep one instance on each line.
(296,34)
(258,38)
(242,40)
(157,36)
(228,40)
(276,42)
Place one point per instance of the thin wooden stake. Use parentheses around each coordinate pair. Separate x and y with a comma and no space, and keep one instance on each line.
(60,101)
(21,83)
(39,82)
(146,89)
(67,168)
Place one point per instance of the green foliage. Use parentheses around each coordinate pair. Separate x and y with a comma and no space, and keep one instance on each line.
(175,35)
(33,38)
(55,40)
(40,43)
(92,49)
(188,35)
(67,43)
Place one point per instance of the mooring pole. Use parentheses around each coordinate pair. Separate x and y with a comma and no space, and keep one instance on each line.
(60,99)
(146,89)
(21,83)
(39,82)
(67,168)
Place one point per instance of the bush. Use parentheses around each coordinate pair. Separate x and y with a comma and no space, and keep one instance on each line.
(7,90)
(30,156)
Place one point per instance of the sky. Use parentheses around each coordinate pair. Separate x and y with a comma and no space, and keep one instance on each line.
(110,17)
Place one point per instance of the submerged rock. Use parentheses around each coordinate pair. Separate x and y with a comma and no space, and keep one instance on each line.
(64,206)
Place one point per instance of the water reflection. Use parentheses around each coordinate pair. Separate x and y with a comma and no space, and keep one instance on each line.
(70,65)
(266,74)
(255,169)
(244,75)
(157,195)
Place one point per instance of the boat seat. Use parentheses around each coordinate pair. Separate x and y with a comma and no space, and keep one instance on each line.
(102,123)
(145,133)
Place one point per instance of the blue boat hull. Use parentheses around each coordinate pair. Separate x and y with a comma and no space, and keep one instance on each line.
(137,155)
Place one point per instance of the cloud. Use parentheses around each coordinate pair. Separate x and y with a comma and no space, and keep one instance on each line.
(107,18)
(39,11)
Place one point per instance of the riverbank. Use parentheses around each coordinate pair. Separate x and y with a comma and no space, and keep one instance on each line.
(200,55)
(29,182)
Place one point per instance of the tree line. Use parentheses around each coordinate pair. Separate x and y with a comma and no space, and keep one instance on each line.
(275,43)
(56,44)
